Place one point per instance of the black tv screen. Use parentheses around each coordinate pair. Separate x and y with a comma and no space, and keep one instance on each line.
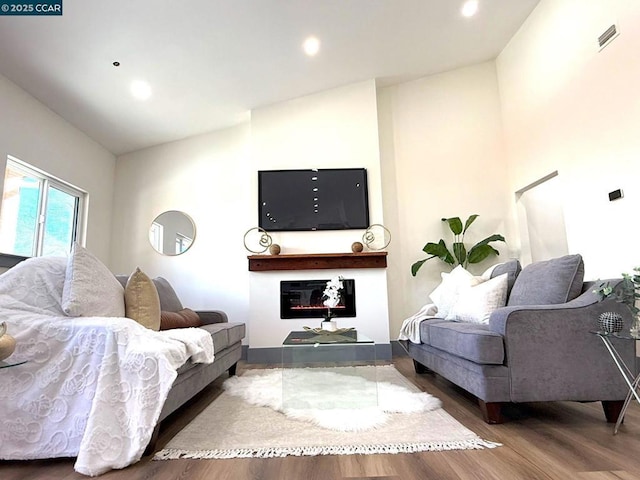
(314,199)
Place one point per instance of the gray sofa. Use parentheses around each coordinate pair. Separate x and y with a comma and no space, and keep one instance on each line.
(537,348)
(193,377)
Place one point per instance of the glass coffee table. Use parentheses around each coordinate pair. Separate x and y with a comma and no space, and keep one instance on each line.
(329,370)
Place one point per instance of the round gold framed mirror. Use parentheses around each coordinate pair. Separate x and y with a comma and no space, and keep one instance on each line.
(172,233)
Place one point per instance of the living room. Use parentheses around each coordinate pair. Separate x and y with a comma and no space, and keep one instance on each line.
(453,143)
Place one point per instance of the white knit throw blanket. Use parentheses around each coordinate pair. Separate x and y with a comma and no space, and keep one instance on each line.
(410,329)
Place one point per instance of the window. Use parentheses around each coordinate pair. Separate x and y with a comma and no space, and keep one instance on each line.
(541,219)
(182,243)
(40,214)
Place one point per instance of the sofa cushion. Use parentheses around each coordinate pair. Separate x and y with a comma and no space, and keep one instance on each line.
(549,282)
(185,318)
(220,335)
(475,304)
(475,342)
(236,332)
(90,289)
(141,300)
(512,268)
(169,301)
(424,329)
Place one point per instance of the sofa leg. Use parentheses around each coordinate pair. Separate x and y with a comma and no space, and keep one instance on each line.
(612,409)
(491,411)
(420,368)
(232,369)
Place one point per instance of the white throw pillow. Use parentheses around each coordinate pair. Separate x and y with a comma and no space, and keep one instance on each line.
(486,275)
(90,289)
(446,294)
(475,304)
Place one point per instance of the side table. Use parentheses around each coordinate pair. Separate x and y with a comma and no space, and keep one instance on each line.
(632,380)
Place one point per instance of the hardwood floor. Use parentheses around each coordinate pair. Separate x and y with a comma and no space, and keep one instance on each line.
(547,441)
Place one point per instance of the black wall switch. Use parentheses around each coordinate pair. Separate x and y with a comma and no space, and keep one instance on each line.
(615,195)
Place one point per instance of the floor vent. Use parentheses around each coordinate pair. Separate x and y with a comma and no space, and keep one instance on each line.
(607,36)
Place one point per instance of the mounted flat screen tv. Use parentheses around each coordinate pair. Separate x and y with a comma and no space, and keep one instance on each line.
(315,199)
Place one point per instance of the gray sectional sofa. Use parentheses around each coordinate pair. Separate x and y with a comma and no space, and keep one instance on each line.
(193,377)
(537,348)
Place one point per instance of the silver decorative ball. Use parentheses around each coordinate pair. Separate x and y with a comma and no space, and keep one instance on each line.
(610,322)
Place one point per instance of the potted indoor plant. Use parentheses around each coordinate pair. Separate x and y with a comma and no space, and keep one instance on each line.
(459,255)
(331,298)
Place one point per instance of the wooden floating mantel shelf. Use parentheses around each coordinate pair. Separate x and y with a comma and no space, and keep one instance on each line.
(317,261)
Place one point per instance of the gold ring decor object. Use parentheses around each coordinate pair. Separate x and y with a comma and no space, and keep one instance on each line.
(264,240)
(376,237)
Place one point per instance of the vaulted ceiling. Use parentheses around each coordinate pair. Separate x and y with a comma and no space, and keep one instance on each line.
(209,62)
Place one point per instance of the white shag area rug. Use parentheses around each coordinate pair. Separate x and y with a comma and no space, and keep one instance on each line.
(343,398)
(231,427)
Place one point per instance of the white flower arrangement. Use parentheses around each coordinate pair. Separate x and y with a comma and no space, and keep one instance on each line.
(331,294)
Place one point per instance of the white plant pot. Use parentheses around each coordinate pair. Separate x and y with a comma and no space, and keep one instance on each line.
(330,325)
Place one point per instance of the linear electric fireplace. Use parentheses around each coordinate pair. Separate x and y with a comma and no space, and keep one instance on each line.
(303,299)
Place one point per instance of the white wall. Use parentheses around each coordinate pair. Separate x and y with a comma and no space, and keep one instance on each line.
(331,129)
(207,177)
(213,178)
(442,156)
(34,134)
(570,108)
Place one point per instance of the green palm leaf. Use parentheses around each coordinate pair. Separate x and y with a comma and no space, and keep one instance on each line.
(469,221)
(461,255)
(455,224)
(492,238)
(480,252)
(416,266)
(439,250)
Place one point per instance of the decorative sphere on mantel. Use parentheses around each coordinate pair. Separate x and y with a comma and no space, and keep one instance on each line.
(274,249)
(357,247)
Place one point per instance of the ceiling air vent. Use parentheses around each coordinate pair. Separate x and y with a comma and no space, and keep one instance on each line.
(607,36)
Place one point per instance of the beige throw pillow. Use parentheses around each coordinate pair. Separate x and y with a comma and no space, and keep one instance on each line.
(90,289)
(141,300)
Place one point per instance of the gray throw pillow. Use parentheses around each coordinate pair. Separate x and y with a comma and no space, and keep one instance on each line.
(122,279)
(169,301)
(549,282)
(512,268)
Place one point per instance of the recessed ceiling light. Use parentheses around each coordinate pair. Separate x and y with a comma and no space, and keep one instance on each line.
(311,46)
(470,8)
(140,90)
